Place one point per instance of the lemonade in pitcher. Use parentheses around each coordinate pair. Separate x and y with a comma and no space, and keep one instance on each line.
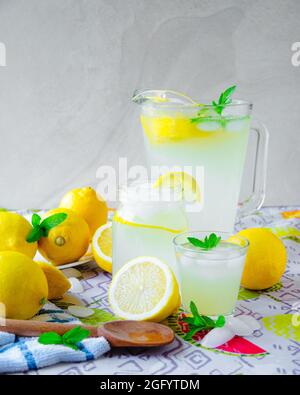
(205,144)
(145,224)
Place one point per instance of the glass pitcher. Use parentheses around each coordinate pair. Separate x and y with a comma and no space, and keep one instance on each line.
(191,143)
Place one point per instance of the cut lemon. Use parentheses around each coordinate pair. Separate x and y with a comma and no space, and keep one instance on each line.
(173,129)
(180,179)
(144,289)
(102,247)
(58,284)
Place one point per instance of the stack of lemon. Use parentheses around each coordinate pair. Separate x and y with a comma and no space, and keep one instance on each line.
(62,236)
(143,289)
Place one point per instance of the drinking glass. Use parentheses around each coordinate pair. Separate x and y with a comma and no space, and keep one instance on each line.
(210,278)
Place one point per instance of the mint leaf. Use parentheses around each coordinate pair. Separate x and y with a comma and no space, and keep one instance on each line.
(194,309)
(34,235)
(191,333)
(188,320)
(220,321)
(213,240)
(75,335)
(200,322)
(210,323)
(69,339)
(41,229)
(196,242)
(50,338)
(52,221)
(35,220)
(225,96)
(208,243)
(224,99)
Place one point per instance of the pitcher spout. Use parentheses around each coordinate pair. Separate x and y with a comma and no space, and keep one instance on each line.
(141,96)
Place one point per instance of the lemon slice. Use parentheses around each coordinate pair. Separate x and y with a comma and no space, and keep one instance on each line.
(144,289)
(102,247)
(187,183)
(121,220)
(58,284)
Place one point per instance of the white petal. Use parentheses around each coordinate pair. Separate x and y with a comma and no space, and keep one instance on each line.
(239,327)
(79,311)
(72,273)
(216,337)
(254,324)
(76,287)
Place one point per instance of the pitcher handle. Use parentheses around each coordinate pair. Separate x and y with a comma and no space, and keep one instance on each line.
(257,197)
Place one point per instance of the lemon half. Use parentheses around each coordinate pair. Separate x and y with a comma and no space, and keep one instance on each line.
(144,289)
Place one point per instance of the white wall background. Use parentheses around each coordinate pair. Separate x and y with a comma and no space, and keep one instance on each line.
(72,66)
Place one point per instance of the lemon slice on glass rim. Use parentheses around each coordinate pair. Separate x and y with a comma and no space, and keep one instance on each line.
(144,289)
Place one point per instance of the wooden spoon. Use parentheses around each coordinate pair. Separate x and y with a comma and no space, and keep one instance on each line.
(118,333)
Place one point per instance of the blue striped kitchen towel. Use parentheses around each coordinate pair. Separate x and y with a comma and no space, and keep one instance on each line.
(20,354)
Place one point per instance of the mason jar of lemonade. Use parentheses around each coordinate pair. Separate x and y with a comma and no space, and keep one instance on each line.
(146,223)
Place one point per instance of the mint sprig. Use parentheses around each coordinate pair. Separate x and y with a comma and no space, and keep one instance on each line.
(42,228)
(199,322)
(224,100)
(69,339)
(208,243)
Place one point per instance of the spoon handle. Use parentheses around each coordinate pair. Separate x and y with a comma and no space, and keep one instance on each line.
(36,328)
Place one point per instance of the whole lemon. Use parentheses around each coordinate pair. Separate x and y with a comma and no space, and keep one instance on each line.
(66,242)
(58,284)
(265,261)
(88,205)
(23,285)
(14,230)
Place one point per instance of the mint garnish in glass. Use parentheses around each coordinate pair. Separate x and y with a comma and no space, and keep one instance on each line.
(208,243)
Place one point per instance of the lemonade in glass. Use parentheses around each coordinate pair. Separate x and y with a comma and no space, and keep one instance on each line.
(145,224)
(210,277)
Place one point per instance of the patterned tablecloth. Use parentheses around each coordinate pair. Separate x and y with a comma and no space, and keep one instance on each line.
(275,349)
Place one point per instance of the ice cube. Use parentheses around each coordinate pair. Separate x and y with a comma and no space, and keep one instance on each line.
(235,125)
(217,336)
(239,327)
(209,126)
